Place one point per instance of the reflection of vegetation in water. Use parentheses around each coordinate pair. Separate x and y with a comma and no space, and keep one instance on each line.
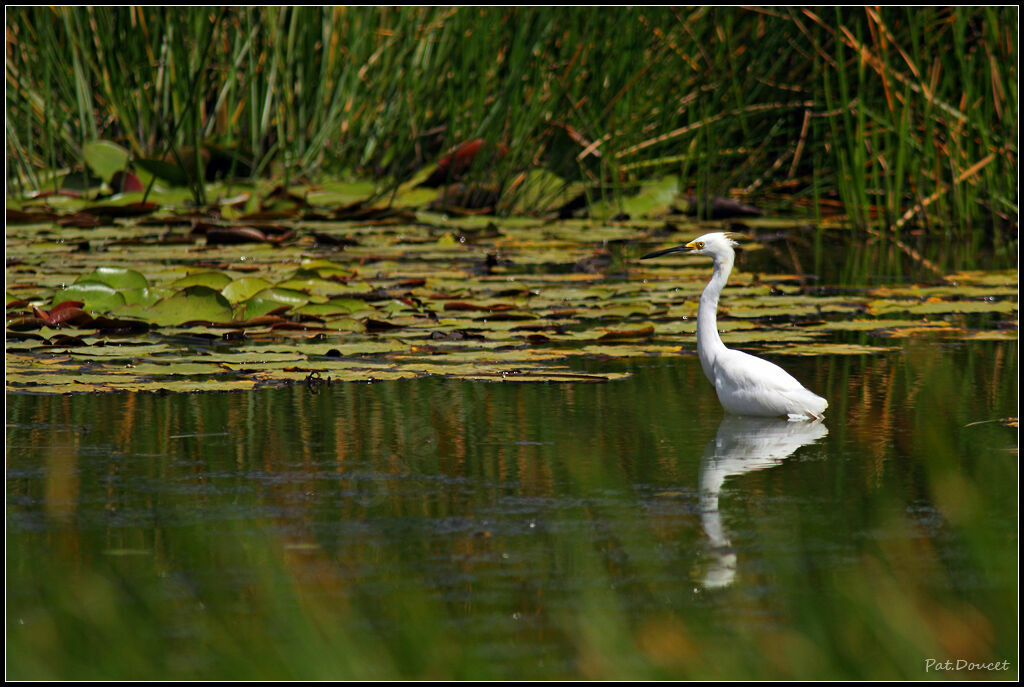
(438,529)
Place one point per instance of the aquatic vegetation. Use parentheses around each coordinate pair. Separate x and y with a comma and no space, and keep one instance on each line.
(152,302)
(899,119)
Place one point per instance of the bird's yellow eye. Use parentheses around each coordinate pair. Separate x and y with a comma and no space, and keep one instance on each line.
(700,244)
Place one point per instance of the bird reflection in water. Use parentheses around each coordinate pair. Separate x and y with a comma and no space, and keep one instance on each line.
(743,444)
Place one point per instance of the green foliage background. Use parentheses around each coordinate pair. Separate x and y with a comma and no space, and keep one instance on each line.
(895,116)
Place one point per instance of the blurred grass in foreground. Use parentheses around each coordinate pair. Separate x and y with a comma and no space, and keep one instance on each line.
(442,530)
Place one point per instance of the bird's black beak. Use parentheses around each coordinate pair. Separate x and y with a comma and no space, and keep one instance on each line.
(659,253)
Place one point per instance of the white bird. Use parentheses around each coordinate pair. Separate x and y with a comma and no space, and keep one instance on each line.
(746,384)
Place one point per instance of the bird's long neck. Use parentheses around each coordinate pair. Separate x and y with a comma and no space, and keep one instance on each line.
(709,343)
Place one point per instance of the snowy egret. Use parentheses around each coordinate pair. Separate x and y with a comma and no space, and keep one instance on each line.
(746,384)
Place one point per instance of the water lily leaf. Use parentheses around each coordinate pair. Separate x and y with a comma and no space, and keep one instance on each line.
(472,307)
(626,350)
(541,191)
(654,198)
(140,309)
(273,298)
(335,306)
(244,288)
(116,277)
(466,297)
(340,193)
(772,335)
(415,196)
(922,329)
(312,284)
(955,290)
(350,305)
(935,306)
(195,303)
(830,349)
(320,268)
(537,376)
(95,296)
(343,324)
(144,297)
(622,310)
(214,280)
(105,158)
(871,325)
(992,335)
(367,346)
(67,313)
(995,278)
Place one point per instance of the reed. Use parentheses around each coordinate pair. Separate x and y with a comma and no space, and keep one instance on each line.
(905,117)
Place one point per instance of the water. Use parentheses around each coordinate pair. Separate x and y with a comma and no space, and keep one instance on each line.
(440,529)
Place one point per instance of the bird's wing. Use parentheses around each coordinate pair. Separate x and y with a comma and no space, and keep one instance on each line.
(741,370)
(747,384)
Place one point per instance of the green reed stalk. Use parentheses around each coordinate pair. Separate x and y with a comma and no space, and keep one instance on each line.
(726,99)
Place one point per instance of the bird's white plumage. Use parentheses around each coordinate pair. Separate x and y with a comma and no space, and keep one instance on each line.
(746,384)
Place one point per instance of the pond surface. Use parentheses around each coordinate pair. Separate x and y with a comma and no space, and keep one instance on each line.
(435,528)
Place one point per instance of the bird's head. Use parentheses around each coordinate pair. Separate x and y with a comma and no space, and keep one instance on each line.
(717,245)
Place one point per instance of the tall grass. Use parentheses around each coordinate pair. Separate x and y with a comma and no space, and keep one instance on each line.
(902,117)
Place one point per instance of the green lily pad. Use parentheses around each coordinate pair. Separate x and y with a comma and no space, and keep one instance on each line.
(105,158)
(273,298)
(543,191)
(335,306)
(486,298)
(934,306)
(320,268)
(654,198)
(96,296)
(144,297)
(116,277)
(831,349)
(195,303)
(243,289)
(214,280)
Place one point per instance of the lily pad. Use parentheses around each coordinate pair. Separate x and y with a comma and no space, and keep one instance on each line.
(96,296)
(938,306)
(105,158)
(116,277)
(214,280)
(244,288)
(144,297)
(462,296)
(273,298)
(192,304)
